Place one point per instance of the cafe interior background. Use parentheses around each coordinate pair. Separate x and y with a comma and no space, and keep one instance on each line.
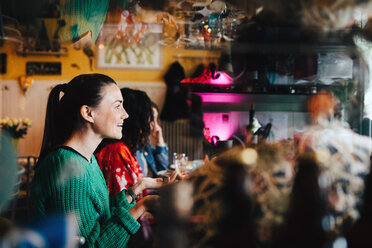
(265,55)
(238,56)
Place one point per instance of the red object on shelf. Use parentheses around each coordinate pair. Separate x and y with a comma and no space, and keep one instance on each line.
(210,77)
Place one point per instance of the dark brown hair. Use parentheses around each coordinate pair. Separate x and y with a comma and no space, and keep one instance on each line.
(63,113)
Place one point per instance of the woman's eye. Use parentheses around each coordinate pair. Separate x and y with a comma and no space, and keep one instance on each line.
(117,107)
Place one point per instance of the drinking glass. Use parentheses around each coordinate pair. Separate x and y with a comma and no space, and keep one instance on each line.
(183,164)
(176,161)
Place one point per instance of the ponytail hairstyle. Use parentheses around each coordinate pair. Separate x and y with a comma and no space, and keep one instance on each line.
(136,129)
(63,116)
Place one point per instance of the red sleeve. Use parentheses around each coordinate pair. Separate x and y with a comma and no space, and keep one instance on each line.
(120,169)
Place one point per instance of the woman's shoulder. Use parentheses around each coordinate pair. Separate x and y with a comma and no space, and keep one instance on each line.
(62,169)
(61,153)
(114,147)
(59,159)
(115,154)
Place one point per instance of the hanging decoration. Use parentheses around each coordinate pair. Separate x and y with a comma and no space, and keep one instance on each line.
(25,83)
(81,17)
(205,24)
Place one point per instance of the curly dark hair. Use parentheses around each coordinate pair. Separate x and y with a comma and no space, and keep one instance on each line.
(136,128)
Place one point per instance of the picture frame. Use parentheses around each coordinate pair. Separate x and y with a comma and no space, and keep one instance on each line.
(130,46)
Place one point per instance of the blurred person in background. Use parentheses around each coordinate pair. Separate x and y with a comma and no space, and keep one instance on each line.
(343,157)
(216,208)
(154,159)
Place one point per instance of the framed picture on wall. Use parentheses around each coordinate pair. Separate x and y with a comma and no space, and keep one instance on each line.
(130,46)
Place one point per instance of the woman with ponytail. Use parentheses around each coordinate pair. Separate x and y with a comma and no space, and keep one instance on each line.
(68,179)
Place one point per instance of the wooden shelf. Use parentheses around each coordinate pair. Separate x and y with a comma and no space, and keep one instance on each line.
(62,52)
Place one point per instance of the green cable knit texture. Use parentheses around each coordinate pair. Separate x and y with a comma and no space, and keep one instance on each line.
(65,182)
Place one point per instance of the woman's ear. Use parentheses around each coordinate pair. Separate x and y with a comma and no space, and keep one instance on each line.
(86,113)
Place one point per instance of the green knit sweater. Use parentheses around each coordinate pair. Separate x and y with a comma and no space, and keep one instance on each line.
(65,182)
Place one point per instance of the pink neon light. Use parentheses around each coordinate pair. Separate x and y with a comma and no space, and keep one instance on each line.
(222,97)
(217,126)
(222,79)
(209,77)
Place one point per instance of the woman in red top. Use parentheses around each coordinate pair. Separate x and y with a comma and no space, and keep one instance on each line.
(120,168)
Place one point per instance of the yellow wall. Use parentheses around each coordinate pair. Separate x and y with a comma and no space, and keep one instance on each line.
(15,104)
(16,65)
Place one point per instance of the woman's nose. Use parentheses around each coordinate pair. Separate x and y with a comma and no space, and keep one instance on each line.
(125,114)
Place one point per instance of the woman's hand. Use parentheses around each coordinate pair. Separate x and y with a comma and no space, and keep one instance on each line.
(155,183)
(174,177)
(151,183)
(157,134)
(141,185)
(146,183)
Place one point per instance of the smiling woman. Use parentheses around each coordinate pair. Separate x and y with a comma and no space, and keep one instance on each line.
(68,179)
(109,115)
